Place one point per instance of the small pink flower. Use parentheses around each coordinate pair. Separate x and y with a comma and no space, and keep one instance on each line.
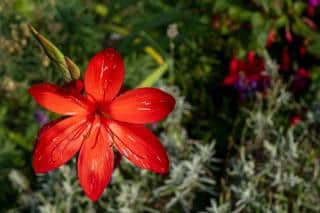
(288,36)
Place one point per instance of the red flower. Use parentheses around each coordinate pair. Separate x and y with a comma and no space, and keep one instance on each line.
(285,60)
(247,75)
(289,36)
(96,121)
(311,11)
(301,81)
(295,120)
(271,38)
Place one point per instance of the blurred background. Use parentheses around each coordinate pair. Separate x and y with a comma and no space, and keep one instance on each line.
(244,136)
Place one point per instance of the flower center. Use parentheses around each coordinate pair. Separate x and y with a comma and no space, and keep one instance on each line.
(101,110)
(103,114)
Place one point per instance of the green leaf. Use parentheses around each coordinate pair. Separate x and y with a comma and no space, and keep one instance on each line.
(152,78)
(101,10)
(301,29)
(299,8)
(314,48)
(24,7)
(20,141)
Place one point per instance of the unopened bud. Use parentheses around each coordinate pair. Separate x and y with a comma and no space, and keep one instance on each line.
(73,69)
(52,52)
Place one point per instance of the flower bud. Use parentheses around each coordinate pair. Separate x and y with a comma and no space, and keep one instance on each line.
(53,53)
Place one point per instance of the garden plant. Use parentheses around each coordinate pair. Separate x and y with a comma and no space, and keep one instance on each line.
(160,106)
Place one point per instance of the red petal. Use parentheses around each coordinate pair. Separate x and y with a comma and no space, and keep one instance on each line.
(95,162)
(251,57)
(139,145)
(58,100)
(58,141)
(233,66)
(142,105)
(303,73)
(271,38)
(230,79)
(285,60)
(104,75)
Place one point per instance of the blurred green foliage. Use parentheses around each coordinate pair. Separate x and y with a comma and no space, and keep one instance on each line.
(226,154)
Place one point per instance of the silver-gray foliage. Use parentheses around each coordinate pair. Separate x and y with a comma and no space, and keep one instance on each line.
(276,168)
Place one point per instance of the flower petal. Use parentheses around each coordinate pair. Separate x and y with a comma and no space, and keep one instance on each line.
(104,75)
(141,106)
(230,79)
(58,100)
(95,162)
(139,145)
(58,141)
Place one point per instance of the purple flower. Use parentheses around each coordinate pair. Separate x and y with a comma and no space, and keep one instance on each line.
(240,85)
(154,126)
(247,76)
(314,3)
(41,117)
